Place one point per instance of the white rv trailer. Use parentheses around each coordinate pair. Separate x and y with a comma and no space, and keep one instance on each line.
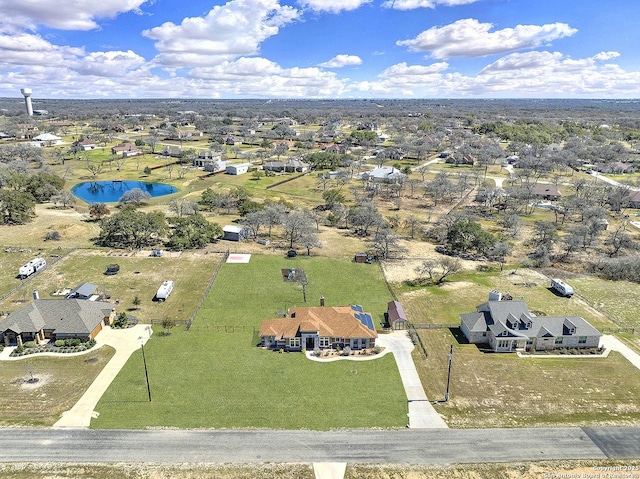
(31,267)
(561,287)
(164,290)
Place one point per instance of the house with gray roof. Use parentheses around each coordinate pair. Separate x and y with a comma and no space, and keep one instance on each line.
(507,326)
(386,174)
(56,319)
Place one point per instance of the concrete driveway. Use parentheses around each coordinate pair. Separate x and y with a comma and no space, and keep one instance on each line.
(125,342)
(422,414)
(613,343)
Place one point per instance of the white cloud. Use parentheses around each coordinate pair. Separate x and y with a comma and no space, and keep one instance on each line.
(530,74)
(109,64)
(342,60)
(64,14)
(470,38)
(413,4)
(419,72)
(333,6)
(259,77)
(226,32)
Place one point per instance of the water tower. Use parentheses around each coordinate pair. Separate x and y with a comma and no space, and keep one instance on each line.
(26,92)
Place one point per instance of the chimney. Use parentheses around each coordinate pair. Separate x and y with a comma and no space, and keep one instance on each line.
(321,300)
(36,295)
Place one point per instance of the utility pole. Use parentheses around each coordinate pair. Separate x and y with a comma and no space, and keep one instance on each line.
(146,373)
(449,357)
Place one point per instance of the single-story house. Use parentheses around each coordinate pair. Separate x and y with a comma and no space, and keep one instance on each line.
(234,233)
(48,139)
(395,316)
(85,144)
(56,319)
(292,165)
(386,174)
(86,291)
(546,191)
(321,328)
(508,326)
(238,169)
(125,149)
(634,199)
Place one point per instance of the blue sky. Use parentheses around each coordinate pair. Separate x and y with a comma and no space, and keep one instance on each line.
(320,48)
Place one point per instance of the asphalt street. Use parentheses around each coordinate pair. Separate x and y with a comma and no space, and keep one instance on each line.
(410,446)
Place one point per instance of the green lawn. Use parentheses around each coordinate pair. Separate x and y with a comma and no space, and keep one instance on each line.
(214,376)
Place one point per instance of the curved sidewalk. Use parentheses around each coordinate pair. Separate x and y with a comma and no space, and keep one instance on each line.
(125,342)
(422,414)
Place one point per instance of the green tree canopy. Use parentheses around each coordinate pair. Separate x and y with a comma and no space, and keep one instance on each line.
(467,236)
(193,232)
(16,207)
(132,229)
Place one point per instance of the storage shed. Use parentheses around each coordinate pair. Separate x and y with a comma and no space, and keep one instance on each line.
(362,258)
(396,317)
(234,233)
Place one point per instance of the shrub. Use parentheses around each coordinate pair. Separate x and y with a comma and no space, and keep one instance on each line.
(1,348)
(52,236)
(19,350)
(59,343)
(91,343)
(76,342)
(30,344)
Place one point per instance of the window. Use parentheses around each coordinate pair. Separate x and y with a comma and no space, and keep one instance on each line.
(559,340)
(324,342)
(294,342)
(582,340)
(503,344)
(529,341)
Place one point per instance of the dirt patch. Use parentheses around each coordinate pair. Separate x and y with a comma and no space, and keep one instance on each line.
(31,382)
(457,285)
(399,270)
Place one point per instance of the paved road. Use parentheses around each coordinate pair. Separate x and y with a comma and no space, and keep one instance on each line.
(408,446)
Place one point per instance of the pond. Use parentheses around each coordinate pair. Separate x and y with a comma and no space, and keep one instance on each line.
(112,191)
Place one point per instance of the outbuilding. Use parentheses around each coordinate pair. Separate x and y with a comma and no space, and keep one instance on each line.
(234,233)
(238,169)
(396,317)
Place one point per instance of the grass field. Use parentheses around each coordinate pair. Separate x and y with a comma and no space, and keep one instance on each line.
(138,276)
(61,382)
(212,376)
(503,390)
(619,299)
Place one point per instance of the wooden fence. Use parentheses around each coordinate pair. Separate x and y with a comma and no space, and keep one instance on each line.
(206,291)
